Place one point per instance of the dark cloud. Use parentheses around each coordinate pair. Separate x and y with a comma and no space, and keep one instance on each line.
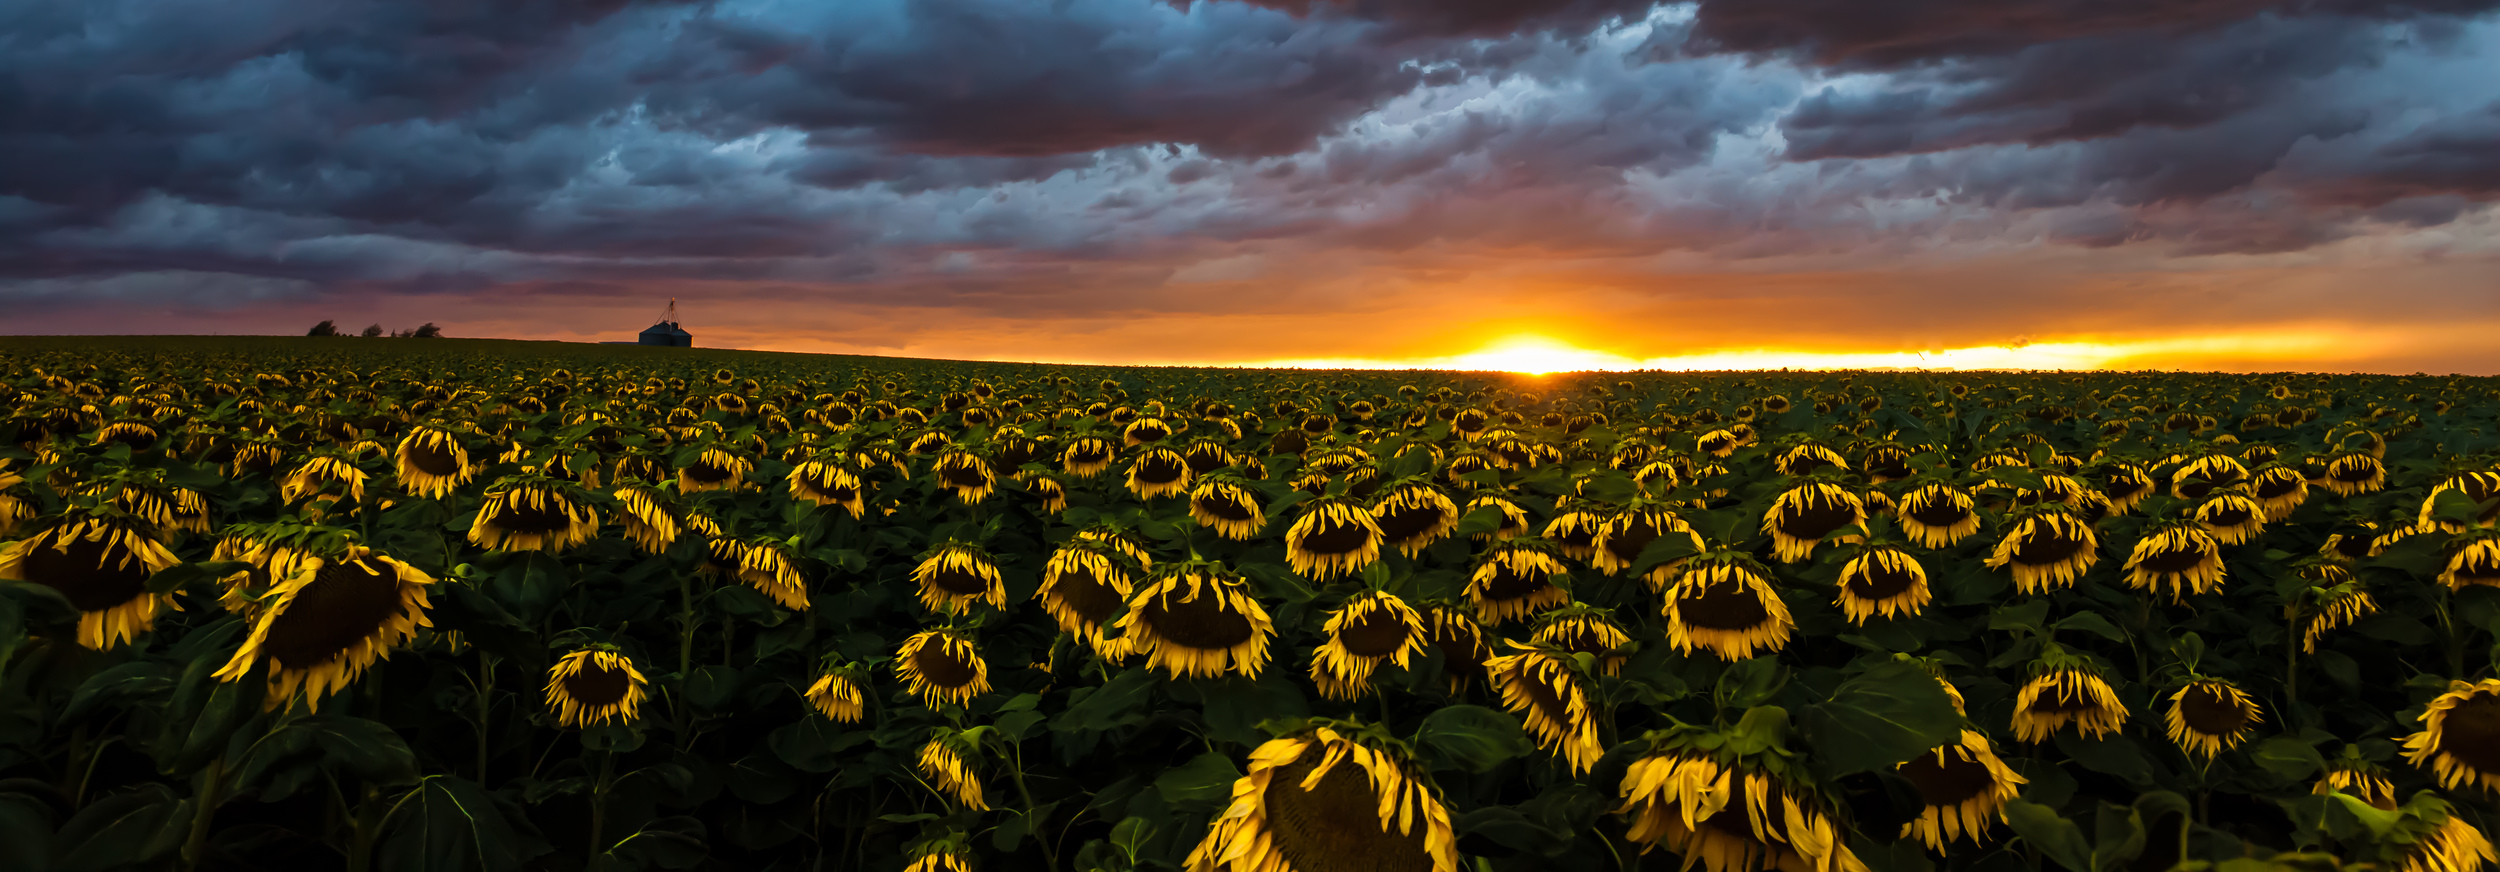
(1476,18)
(1854,35)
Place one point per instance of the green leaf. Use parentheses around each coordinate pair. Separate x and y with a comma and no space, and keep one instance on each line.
(668,843)
(1877,720)
(1120,702)
(2057,838)
(1205,780)
(1235,707)
(25,832)
(133,828)
(447,824)
(2092,622)
(813,744)
(2032,615)
(2287,757)
(1752,682)
(1469,737)
(2110,754)
(1015,725)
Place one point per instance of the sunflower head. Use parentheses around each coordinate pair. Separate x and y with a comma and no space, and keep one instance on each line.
(1087,456)
(2177,558)
(1460,640)
(2065,691)
(1937,515)
(2460,738)
(1962,789)
(956,575)
(2232,517)
(1413,516)
(827,482)
(714,469)
(1580,629)
(1086,584)
(1159,472)
(840,694)
(966,475)
(1725,603)
(2209,716)
(326,618)
(1617,546)
(1194,620)
(1729,813)
(1334,537)
(1226,506)
(942,666)
(2355,473)
(101,565)
(534,514)
(1370,629)
(947,760)
(2046,546)
(1513,522)
(595,686)
(1050,495)
(432,462)
(1541,686)
(1802,517)
(1334,796)
(1516,578)
(1882,580)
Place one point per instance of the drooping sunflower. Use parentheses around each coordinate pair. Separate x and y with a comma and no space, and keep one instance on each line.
(2232,517)
(1540,686)
(1513,523)
(1192,622)
(1332,539)
(828,484)
(1413,516)
(956,575)
(2066,692)
(1807,458)
(432,463)
(1324,801)
(1882,580)
(765,565)
(595,686)
(1962,790)
(2354,474)
(2046,548)
(1578,629)
(1461,643)
(1081,589)
(2280,489)
(1227,508)
(1160,472)
(941,666)
(2476,562)
(2460,739)
(101,565)
(1729,818)
(1514,579)
(2337,598)
(2125,485)
(2451,846)
(839,696)
(1725,604)
(1619,541)
(324,478)
(2476,487)
(540,515)
(2350,773)
(714,470)
(1087,456)
(965,475)
(1370,629)
(1938,515)
(1718,443)
(1043,487)
(946,760)
(327,619)
(2210,716)
(2203,475)
(1804,515)
(2177,558)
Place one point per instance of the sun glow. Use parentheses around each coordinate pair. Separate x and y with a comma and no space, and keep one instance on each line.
(2277,349)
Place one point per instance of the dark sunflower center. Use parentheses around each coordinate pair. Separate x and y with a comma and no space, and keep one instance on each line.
(1085,593)
(1583,640)
(1336,537)
(91,574)
(2046,545)
(1407,522)
(1627,541)
(1148,434)
(597,686)
(1879,582)
(1937,511)
(2062,699)
(2470,733)
(2173,558)
(1205,460)
(1812,516)
(1460,652)
(1803,464)
(516,515)
(1335,826)
(1726,605)
(964,476)
(2195,487)
(1223,505)
(938,667)
(1717,443)
(1204,623)
(1089,454)
(2212,711)
(2228,516)
(1950,781)
(959,581)
(2352,472)
(2280,486)
(1161,469)
(1378,633)
(1508,583)
(346,603)
(433,458)
(706,473)
(1578,536)
(1889,466)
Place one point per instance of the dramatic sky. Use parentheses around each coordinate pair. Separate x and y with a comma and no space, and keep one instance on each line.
(2236,184)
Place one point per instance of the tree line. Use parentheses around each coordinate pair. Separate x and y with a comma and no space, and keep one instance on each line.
(375,331)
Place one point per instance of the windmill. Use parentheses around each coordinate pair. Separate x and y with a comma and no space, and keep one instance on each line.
(666,332)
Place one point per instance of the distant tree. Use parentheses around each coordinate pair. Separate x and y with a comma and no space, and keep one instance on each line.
(429,331)
(372,331)
(325,328)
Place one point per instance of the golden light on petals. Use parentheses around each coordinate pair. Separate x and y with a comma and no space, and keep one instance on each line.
(101,567)
(2178,560)
(1619,541)
(595,687)
(1885,581)
(1802,517)
(829,484)
(1413,517)
(1962,789)
(1159,472)
(2459,743)
(941,667)
(2046,549)
(944,762)
(957,575)
(1229,509)
(431,463)
(1332,539)
(1081,589)
(965,475)
(2066,696)
(1515,579)
(1937,515)
(532,517)
(327,620)
(714,470)
(1371,629)
(1727,608)
(1540,687)
(838,696)
(2207,717)
(1192,624)
(1730,819)
(1321,802)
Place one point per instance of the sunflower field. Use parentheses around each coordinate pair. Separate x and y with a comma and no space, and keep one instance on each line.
(472,605)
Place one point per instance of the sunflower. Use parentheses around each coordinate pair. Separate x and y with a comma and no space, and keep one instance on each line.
(2206,474)
(595,686)
(714,470)
(2179,558)
(533,516)
(1192,623)
(2337,600)
(2353,474)
(1618,543)
(1333,538)
(765,565)
(1513,523)
(2460,738)
(2233,518)
(966,475)
(1718,443)
(1727,605)
(1087,457)
(2358,777)
(2280,489)
(2046,548)
(1882,580)
(2125,485)
(132,433)
(949,858)
(649,520)
(324,477)
(946,760)
(1804,515)
(2454,846)
(1461,643)
(1159,472)
(838,696)
(1583,630)
(327,620)
(1322,801)
(1227,508)
(102,567)
(1807,458)
(2066,693)
(940,666)
(1414,516)
(1540,686)
(2210,716)
(1370,629)
(1574,532)
(1962,790)
(1729,818)
(1052,494)
(1938,515)
(1082,588)
(2476,487)
(956,575)
(2476,562)
(828,484)
(432,463)
(1514,579)
(1886,462)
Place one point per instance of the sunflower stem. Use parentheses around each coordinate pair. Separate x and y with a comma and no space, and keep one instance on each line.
(485,710)
(2291,655)
(599,804)
(207,795)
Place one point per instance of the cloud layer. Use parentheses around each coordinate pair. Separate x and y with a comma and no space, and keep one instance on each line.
(1121,179)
